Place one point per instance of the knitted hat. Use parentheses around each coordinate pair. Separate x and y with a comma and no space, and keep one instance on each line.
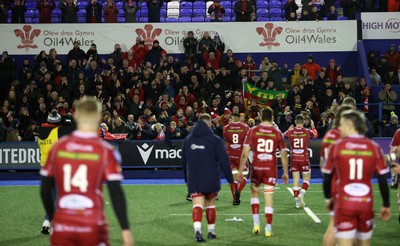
(54,117)
(393,116)
(214,116)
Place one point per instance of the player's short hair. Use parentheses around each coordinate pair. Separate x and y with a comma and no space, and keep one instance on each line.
(338,115)
(357,118)
(88,109)
(299,119)
(235,117)
(349,101)
(206,118)
(267,114)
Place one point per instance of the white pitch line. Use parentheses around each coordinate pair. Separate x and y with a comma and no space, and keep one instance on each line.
(312,215)
(290,190)
(278,214)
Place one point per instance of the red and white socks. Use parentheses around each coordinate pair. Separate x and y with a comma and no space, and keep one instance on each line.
(304,188)
(197,215)
(211,216)
(255,209)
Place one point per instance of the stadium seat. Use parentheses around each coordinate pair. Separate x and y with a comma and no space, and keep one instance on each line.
(81,19)
(207,19)
(82,13)
(121,19)
(186,12)
(162,19)
(199,12)
(56,13)
(81,5)
(143,5)
(171,19)
(262,18)
(185,19)
(143,19)
(138,14)
(163,12)
(226,18)
(275,4)
(199,5)
(55,19)
(262,4)
(35,20)
(119,5)
(144,13)
(31,5)
(28,19)
(262,12)
(342,18)
(173,13)
(228,12)
(30,13)
(186,5)
(227,5)
(276,19)
(198,19)
(173,5)
(275,13)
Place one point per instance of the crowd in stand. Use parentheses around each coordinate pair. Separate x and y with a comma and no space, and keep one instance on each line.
(244,10)
(149,94)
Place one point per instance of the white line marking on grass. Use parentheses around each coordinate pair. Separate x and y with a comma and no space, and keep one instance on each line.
(312,215)
(290,190)
(277,214)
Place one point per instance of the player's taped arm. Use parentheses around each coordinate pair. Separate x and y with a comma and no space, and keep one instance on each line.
(383,187)
(46,193)
(118,202)
(327,185)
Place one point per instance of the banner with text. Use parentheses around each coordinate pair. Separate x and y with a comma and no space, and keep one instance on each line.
(308,36)
(135,154)
(385,25)
(261,97)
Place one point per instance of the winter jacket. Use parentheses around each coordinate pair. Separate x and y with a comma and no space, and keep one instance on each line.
(69,13)
(45,11)
(130,12)
(203,155)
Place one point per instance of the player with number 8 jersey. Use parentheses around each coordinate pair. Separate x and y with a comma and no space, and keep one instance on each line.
(234,134)
(78,164)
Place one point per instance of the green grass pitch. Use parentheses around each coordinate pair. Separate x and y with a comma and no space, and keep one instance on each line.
(160,215)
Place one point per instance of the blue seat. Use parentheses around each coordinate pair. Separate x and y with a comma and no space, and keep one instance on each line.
(82,13)
(342,18)
(262,18)
(199,12)
(31,5)
(228,12)
(30,13)
(144,12)
(56,12)
(198,19)
(81,19)
(143,19)
(262,4)
(185,19)
(163,12)
(121,19)
(28,19)
(35,20)
(143,5)
(119,4)
(186,13)
(186,5)
(275,4)
(275,13)
(276,19)
(226,5)
(226,18)
(162,19)
(55,19)
(207,19)
(199,5)
(171,19)
(81,5)
(262,12)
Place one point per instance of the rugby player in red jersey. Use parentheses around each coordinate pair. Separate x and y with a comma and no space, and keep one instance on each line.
(234,134)
(299,138)
(77,166)
(355,159)
(264,139)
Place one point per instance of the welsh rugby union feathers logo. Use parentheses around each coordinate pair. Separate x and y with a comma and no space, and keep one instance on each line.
(27,35)
(148,34)
(269,34)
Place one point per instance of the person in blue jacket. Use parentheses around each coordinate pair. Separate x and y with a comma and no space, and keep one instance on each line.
(203,155)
